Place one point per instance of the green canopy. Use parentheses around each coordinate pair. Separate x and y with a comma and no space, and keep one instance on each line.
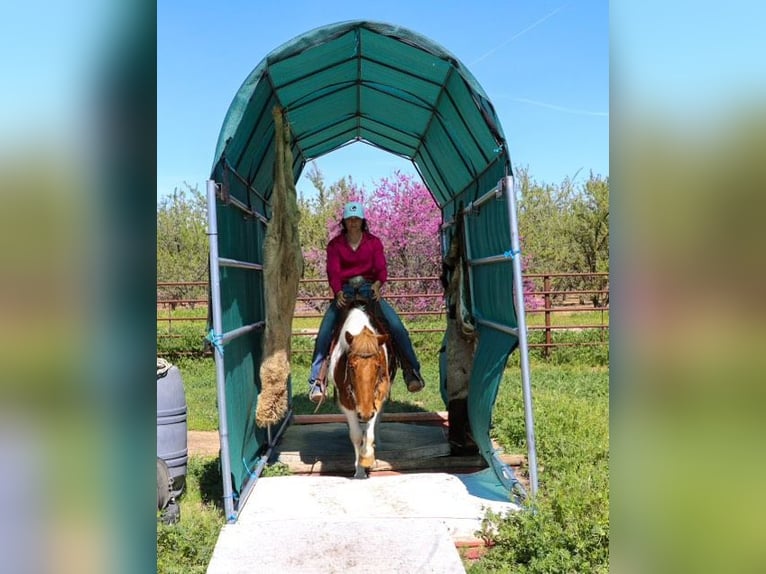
(396,90)
(375,83)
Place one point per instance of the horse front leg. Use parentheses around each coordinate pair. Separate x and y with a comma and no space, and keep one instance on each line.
(367,459)
(357,439)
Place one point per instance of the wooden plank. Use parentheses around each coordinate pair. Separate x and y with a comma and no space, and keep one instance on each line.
(325,449)
(344,465)
(417,417)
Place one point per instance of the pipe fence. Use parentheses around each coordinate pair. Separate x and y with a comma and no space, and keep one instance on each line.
(557,304)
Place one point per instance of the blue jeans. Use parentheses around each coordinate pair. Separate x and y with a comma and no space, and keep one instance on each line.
(397,330)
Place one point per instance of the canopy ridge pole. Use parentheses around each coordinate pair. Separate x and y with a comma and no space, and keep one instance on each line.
(358,48)
(220,372)
(518,291)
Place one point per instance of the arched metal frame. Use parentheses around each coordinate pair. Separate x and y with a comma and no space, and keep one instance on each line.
(400,92)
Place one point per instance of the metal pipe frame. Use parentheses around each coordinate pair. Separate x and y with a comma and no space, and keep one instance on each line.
(518,290)
(498,327)
(490,259)
(505,186)
(225,262)
(262,461)
(220,373)
(244,208)
(494,193)
(467,234)
(216,262)
(466,213)
(238,332)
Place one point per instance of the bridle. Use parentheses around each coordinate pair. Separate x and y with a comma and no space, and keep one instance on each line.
(380,357)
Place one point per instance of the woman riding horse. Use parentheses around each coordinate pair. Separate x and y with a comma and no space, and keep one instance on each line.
(356,263)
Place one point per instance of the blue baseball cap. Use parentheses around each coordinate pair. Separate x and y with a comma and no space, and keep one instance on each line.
(353,209)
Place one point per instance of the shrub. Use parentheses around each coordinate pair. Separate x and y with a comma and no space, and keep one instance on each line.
(566,529)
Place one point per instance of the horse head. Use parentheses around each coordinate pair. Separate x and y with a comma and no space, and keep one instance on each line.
(367,374)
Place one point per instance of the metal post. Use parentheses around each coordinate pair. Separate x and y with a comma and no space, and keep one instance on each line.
(518,289)
(220,373)
(548,306)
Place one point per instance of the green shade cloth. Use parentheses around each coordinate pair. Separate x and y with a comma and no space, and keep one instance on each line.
(391,88)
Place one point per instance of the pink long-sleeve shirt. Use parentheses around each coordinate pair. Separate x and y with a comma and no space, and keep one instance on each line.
(343,263)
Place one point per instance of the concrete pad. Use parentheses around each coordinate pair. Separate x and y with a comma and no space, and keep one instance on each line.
(401,523)
(343,547)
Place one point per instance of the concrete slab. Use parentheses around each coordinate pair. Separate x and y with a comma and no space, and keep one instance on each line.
(401,523)
(345,547)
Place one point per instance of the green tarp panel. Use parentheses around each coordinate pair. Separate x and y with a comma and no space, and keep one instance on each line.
(396,90)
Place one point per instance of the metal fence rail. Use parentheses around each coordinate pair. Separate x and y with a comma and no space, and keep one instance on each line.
(554,294)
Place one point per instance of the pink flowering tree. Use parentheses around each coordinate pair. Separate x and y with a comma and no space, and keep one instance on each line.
(402,213)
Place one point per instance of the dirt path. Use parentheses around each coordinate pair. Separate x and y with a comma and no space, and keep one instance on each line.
(203,443)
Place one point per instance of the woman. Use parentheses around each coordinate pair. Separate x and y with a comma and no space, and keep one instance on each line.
(356,262)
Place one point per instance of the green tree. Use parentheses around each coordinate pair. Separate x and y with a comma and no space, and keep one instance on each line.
(565,229)
(543,214)
(182,244)
(542,223)
(588,231)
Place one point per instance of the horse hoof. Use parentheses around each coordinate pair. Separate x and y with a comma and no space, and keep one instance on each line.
(361,473)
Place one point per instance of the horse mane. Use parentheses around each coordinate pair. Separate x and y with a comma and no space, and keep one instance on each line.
(365,343)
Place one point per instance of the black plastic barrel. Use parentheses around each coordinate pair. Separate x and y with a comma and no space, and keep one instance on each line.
(171,425)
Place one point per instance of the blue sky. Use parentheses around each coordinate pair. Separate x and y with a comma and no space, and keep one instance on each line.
(544,65)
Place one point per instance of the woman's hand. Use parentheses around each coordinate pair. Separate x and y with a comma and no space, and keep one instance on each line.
(340,299)
(376,290)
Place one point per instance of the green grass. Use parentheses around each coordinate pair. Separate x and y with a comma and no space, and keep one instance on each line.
(186,547)
(568,531)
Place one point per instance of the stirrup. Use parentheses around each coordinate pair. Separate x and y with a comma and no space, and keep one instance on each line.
(316,392)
